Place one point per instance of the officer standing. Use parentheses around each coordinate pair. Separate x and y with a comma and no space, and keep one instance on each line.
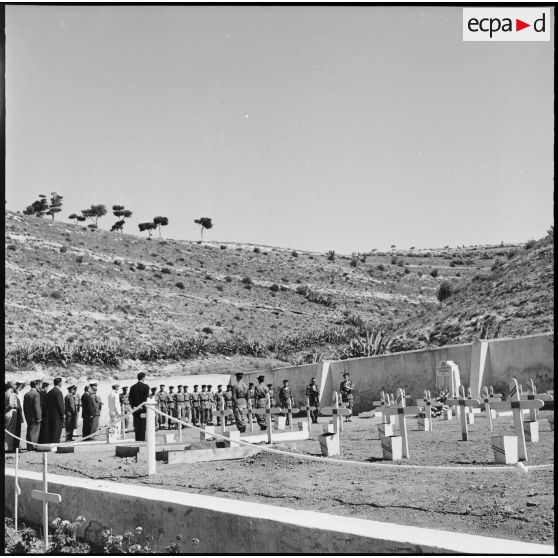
(98,404)
(204,405)
(260,392)
(139,393)
(87,411)
(219,402)
(228,398)
(286,398)
(43,435)
(187,405)
(179,404)
(239,398)
(33,415)
(347,388)
(196,406)
(70,412)
(271,394)
(126,407)
(313,394)
(171,406)
(162,405)
(211,396)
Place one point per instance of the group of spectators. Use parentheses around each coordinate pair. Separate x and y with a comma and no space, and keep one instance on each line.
(48,412)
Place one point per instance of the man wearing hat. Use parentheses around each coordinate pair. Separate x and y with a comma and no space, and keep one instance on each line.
(11,418)
(260,392)
(219,402)
(171,406)
(286,398)
(196,406)
(87,410)
(271,395)
(313,394)
(44,433)
(187,405)
(239,400)
(126,408)
(114,407)
(212,407)
(179,402)
(228,399)
(98,405)
(70,412)
(55,412)
(162,405)
(346,388)
(33,415)
(139,393)
(205,405)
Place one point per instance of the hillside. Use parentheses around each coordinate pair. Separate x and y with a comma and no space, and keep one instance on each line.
(76,295)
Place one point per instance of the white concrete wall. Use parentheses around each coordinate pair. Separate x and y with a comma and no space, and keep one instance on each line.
(224,525)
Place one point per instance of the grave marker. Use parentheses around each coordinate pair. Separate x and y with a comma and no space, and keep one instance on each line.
(463,404)
(309,408)
(532,394)
(469,414)
(447,377)
(268,411)
(45,497)
(487,400)
(222,414)
(426,402)
(381,403)
(249,416)
(401,411)
(336,412)
(17,489)
(517,405)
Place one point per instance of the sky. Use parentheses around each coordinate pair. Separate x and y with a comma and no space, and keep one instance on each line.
(310,127)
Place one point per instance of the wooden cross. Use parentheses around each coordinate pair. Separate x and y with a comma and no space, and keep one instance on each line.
(336,412)
(487,400)
(268,411)
(222,413)
(401,411)
(516,404)
(426,402)
(381,403)
(289,411)
(532,394)
(309,408)
(45,496)
(463,404)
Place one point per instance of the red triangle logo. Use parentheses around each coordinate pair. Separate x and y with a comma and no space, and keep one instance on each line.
(519,25)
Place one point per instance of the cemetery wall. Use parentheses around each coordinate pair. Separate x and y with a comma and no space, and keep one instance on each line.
(224,525)
(522,358)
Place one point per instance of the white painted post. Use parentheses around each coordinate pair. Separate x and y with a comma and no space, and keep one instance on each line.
(268,419)
(462,403)
(338,423)
(150,437)
(402,423)
(17,489)
(179,425)
(308,414)
(250,416)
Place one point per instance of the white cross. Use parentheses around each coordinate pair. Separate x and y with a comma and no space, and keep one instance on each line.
(268,410)
(517,405)
(383,402)
(401,411)
(309,408)
(487,400)
(289,411)
(45,497)
(336,412)
(463,404)
(426,402)
(532,394)
(222,413)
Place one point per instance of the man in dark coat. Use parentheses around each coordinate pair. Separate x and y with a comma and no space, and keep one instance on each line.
(33,415)
(87,412)
(260,392)
(239,400)
(44,433)
(313,394)
(55,412)
(98,405)
(139,393)
(70,410)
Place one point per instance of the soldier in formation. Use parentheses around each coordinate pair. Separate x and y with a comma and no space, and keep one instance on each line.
(126,408)
(180,405)
(260,393)
(271,394)
(239,400)
(71,410)
(313,394)
(347,388)
(13,417)
(286,398)
(196,406)
(33,415)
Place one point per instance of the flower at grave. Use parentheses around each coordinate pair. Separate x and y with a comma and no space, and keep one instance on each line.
(80,519)
(138,530)
(134,549)
(128,535)
(65,523)
(56,522)
(106,533)
(178,537)
(195,541)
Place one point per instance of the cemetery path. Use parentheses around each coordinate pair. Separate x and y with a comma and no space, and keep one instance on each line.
(499,502)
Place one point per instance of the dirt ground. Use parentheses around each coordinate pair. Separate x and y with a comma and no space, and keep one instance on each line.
(503,502)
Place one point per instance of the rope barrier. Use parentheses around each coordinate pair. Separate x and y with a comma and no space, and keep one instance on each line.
(524,468)
(78,440)
(365,463)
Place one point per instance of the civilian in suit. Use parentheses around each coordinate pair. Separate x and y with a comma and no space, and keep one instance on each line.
(71,410)
(11,417)
(33,415)
(44,433)
(55,412)
(139,393)
(87,412)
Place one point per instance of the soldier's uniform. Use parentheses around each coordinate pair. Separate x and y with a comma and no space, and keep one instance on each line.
(187,405)
(228,398)
(313,394)
(179,401)
(286,398)
(240,394)
(271,394)
(251,397)
(346,388)
(219,403)
(126,408)
(196,406)
(98,404)
(162,405)
(211,396)
(205,405)
(70,413)
(260,392)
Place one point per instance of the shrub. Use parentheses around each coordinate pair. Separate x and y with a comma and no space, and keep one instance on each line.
(12,247)
(381,267)
(331,255)
(434,272)
(166,271)
(223,247)
(256,250)
(511,253)
(274,288)
(179,284)
(294,254)
(247,281)
(63,249)
(530,244)
(496,265)
(57,295)
(228,278)
(407,270)
(79,259)
(353,262)
(400,262)
(207,330)
(140,266)
(117,262)
(444,291)
(208,277)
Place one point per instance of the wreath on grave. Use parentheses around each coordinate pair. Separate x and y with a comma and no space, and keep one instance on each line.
(438,405)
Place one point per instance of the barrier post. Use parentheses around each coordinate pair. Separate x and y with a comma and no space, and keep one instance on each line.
(17,489)
(150,436)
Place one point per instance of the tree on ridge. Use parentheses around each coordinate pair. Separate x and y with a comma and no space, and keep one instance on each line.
(205,223)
